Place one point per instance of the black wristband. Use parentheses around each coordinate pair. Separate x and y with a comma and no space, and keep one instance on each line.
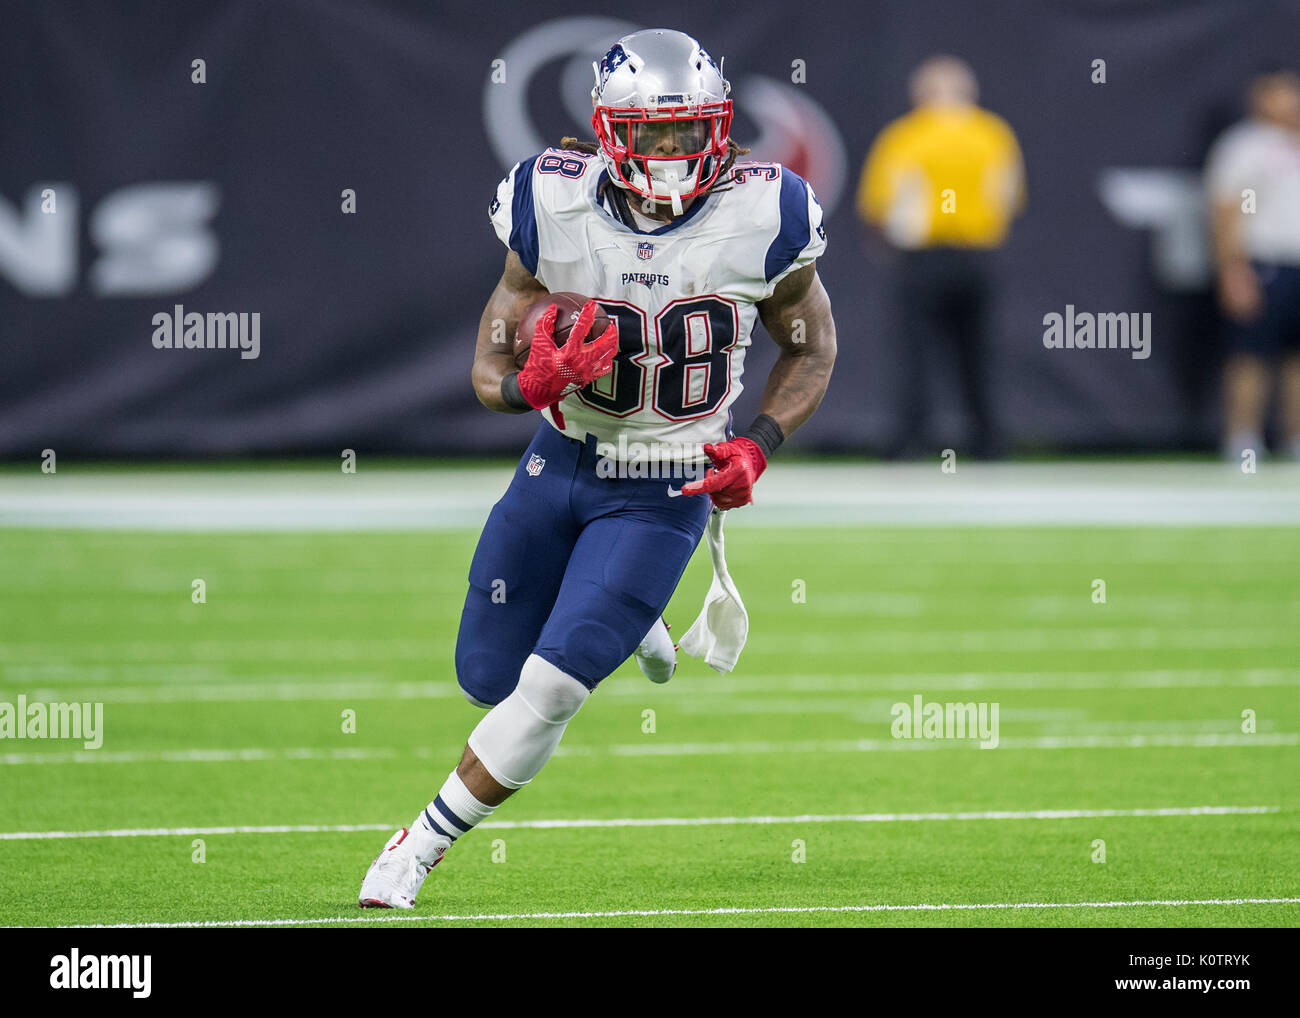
(512,395)
(765,433)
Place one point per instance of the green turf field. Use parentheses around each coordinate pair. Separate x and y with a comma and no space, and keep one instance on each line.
(230,714)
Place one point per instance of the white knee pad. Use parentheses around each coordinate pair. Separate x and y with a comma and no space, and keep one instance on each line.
(520,733)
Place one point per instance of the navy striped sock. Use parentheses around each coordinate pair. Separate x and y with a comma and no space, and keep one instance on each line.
(455,811)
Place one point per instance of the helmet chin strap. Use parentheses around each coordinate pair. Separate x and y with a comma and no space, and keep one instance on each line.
(664,175)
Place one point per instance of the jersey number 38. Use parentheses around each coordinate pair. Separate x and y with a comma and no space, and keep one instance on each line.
(684,355)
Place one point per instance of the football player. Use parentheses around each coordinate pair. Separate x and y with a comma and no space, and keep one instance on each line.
(684,248)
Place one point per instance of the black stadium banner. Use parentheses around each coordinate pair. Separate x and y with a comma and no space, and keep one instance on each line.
(314,179)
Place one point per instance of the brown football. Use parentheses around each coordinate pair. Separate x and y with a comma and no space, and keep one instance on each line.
(568,307)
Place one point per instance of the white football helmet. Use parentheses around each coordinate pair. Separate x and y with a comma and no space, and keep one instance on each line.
(663,116)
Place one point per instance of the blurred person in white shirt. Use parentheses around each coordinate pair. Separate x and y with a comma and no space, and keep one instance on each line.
(1252,178)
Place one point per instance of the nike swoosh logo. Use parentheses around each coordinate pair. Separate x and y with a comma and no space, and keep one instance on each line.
(674,492)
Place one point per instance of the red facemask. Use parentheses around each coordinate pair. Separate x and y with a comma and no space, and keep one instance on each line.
(671,148)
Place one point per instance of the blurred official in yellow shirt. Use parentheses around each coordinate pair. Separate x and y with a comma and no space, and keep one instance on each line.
(948,173)
(942,185)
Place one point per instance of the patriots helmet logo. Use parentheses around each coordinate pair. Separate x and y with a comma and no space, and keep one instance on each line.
(610,62)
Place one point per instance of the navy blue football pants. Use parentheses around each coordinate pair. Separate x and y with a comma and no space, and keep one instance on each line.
(572,566)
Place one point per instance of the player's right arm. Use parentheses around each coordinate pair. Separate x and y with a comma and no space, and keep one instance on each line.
(494,354)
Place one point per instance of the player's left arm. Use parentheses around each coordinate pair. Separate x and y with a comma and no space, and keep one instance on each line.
(798,316)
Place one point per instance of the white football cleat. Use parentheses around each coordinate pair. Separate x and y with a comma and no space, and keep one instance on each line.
(395,877)
(657,657)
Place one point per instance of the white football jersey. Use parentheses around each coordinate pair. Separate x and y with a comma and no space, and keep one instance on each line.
(683,295)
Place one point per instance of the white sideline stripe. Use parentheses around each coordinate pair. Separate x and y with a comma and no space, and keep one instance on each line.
(1031,494)
(51,688)
(813,640)
(204,755)
(162,832)
(917,681)
(248,692)
(620,913)
(1031,640)
(1201,740)
(808,818)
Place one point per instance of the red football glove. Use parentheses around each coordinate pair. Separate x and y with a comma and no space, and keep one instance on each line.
(736,466)
(552,372)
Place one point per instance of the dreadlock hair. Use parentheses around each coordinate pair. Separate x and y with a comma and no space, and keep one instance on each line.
(721,183)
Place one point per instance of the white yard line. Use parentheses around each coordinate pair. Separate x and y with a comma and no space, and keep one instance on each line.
(1198,740)
(808,818)
(652,912)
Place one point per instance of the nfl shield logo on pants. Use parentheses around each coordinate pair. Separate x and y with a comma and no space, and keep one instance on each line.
(645,250)
(535,464)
